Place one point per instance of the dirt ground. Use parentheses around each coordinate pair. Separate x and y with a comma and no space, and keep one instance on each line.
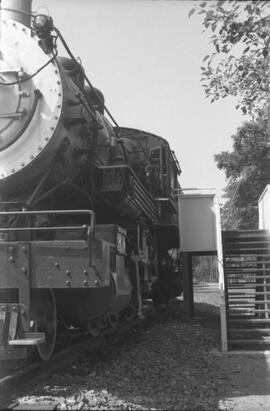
(249,388)
(165,362)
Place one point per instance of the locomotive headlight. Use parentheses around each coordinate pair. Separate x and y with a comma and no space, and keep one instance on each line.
(42,27)
(43,23)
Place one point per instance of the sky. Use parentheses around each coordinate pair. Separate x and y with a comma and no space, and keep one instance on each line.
(145,56)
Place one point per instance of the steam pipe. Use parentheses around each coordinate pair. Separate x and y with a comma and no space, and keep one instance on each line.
(18,10)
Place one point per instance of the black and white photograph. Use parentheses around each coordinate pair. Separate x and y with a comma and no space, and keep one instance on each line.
(135,205)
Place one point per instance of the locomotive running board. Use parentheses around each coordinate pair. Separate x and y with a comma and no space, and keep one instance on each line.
(29,340)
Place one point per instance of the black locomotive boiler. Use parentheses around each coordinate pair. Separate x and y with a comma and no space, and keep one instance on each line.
(87,208)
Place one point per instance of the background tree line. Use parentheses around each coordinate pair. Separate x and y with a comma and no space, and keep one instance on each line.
(239,66)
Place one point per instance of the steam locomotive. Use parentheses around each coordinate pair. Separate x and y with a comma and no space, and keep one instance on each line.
(88,212)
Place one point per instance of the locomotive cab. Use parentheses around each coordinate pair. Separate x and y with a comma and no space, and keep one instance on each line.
(163,165)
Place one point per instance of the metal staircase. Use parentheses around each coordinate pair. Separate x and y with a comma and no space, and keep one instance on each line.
(246,262)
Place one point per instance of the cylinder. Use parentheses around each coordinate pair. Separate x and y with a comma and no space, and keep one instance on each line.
(18,10)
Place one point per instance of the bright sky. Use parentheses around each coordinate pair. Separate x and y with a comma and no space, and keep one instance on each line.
(145,56)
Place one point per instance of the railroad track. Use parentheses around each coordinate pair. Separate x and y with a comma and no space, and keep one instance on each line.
(15,382)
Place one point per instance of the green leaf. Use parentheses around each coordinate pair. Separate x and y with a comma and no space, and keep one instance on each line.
(206,57)
(192,11)
(244,68)
(220,3)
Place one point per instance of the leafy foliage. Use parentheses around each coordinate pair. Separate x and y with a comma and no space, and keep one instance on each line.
(247,169)
(239,63)
(205,269)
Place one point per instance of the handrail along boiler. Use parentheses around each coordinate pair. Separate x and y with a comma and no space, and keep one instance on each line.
(87,208)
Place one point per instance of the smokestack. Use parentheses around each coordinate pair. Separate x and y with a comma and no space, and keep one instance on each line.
(18,10)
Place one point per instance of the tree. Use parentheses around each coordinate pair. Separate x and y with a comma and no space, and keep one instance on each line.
(205,268)
(239,63)
(247,169)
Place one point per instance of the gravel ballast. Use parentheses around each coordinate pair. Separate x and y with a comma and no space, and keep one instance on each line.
(164,362)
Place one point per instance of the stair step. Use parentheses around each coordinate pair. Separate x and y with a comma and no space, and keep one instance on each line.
(249,330)
(242,317)
(235,233)
(248,287)
(30,339)
(247,278)
(245,250)
(246,320)
(253,245)
(266,255)
(245,303)
(233,299)
(249,310)
(253,276)
(248,341)
(244,269)
(240,284)
(246,265)
(245,295)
